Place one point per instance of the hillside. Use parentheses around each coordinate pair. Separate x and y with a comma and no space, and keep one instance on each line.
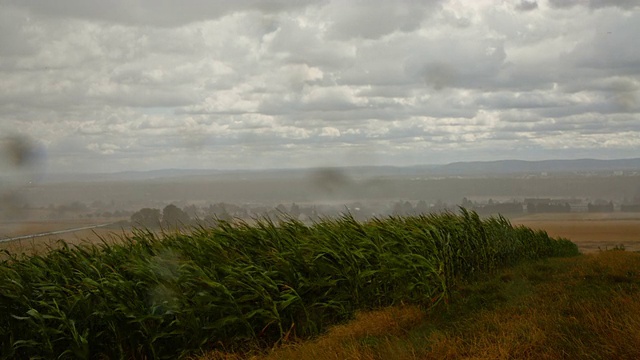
(585,307)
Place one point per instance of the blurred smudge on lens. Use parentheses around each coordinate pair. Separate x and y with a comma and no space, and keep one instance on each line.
(18,151)
(20,166)
(12,207)
(329,180)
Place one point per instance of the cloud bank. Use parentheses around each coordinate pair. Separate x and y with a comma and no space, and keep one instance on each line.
(258,84)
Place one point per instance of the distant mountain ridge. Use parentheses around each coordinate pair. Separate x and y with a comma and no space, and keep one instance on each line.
(549,166)
(471,168)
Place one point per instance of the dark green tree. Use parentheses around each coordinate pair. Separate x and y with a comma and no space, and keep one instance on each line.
(422,207)
(173,216)
(147,218)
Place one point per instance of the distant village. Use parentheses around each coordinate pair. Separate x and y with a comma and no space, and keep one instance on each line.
(190,214)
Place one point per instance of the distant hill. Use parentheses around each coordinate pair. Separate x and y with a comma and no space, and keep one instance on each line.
(549,166)
(129,175)
(467,169)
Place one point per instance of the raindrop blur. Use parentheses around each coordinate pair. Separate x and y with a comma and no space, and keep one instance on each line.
(20,166)
(329,180)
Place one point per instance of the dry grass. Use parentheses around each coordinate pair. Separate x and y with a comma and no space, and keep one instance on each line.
(579,308)
(348,341)
(586,308)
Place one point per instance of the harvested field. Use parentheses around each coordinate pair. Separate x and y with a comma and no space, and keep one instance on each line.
(39,244)
(590,231)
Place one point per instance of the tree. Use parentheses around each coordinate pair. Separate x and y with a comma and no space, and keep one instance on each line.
(422,207)
(281,209)
(191,211)
(173,216)
(403,208)
(218,212)
(147,218)
(295,210)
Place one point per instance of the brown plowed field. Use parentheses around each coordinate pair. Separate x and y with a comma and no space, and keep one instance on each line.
(591,231)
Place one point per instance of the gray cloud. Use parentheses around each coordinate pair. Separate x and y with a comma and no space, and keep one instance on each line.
(375,19)
(526,5)
(139,85)
(595,4)
(151,12)
(566,3)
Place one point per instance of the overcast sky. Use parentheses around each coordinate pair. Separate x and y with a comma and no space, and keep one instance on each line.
(147,84)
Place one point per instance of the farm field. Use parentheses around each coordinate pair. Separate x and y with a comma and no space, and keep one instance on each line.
(501,297)
(590,231)
(237,285)
(482,319)
(39,244)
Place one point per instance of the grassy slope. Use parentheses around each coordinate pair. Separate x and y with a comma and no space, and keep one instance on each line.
(585,307)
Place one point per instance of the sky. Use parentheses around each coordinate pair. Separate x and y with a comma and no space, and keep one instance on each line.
(108,86)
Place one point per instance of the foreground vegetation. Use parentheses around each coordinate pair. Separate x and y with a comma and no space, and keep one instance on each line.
(236,284)
(585,307)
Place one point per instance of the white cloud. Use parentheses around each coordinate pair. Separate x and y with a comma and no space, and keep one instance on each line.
(329,131)
(104,149)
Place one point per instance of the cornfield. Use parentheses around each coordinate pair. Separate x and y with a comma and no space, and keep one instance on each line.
(166,296)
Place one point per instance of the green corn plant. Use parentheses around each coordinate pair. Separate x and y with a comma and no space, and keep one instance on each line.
(163,296)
